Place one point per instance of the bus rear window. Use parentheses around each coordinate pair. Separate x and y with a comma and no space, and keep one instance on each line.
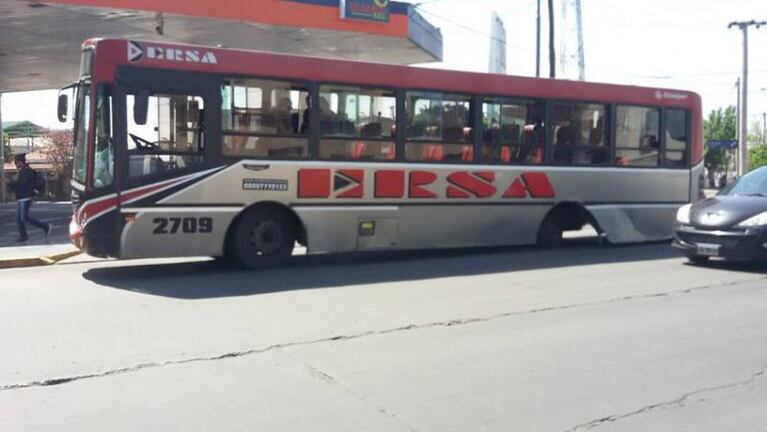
(637,136)
(675,154)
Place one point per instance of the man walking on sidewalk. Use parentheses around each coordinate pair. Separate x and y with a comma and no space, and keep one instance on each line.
(24,187)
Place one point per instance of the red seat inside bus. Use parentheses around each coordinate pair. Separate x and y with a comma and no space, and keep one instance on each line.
(432,152)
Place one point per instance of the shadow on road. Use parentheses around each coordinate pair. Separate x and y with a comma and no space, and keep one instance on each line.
(208,279)
(740,266)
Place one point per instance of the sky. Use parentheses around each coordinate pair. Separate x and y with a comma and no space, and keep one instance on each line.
(679,44)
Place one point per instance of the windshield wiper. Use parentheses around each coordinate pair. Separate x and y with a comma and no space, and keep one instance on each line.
(758,194)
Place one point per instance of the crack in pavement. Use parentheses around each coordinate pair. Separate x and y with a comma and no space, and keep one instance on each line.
(679,402)
(332,380)
(448,323)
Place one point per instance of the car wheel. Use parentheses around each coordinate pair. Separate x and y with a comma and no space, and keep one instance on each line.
(698,259)
(549,234)
(263,237)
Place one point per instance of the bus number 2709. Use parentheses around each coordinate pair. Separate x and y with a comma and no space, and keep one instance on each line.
(187,225)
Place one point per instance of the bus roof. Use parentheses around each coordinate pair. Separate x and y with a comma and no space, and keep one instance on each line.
(121,52)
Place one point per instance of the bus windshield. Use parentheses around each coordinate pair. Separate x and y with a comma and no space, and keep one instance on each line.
(82,127)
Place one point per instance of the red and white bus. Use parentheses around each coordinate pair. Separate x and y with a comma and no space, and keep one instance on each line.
(186,150)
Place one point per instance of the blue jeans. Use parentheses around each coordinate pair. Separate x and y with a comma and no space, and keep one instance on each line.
(22,217)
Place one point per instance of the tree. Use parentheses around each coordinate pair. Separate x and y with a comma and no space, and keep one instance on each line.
(59,153)
(756,134)
(7,151)
(757,156)
(757,152)
(720,125)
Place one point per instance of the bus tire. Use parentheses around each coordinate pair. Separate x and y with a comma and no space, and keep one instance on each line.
(264,237)
(549,234)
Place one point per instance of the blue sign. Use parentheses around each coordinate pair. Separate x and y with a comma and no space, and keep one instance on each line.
(365,10)
(723,144)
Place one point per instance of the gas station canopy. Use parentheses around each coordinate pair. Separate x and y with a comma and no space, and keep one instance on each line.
(40,43)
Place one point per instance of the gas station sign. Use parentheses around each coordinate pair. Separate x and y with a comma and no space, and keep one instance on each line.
(365,10)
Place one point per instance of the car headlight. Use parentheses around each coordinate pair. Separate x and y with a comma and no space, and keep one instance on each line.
(683,214)
(754,221)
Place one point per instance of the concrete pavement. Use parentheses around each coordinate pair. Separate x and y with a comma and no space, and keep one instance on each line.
(57,213)
(586,337)
(37,250)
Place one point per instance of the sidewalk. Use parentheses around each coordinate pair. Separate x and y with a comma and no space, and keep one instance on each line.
(57,213)
(36,250)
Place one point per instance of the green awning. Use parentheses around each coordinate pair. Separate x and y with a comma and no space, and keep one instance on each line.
(22,129)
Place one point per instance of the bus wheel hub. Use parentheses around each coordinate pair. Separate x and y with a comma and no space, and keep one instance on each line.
(266,237)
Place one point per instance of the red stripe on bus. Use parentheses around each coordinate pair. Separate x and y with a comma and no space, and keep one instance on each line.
(539,185)
(358,176)
(474,185)
(313,183)
(516,190)
(93,209)
(454,192)
(419,179)
(390,184)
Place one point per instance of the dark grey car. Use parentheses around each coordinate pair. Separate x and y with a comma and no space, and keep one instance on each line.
(732,225)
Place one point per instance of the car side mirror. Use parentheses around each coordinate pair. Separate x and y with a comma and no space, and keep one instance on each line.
(140,107)
(62,108)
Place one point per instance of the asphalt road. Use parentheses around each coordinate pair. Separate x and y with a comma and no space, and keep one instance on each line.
(581,338)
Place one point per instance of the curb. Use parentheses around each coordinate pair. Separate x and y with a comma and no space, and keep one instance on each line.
(37,261)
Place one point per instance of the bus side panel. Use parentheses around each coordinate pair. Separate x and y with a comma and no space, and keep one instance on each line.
(162,232)
(340,228)
(697,183)
(469,225)
(635,223)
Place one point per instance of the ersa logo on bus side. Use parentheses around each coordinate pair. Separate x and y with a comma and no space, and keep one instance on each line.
(136,53)
(350,183)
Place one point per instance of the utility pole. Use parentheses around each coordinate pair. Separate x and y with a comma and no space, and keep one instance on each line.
(538,41)
(552,69)
(581,55)
(2,153)
(743,142)
(737,127)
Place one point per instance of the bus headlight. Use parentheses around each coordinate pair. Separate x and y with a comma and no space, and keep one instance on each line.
(755,221)
(683,214)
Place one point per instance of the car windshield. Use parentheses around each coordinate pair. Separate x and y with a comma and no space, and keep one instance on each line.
(751,184)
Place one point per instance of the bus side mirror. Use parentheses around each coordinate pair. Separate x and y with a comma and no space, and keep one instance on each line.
(140,107)
(62,108)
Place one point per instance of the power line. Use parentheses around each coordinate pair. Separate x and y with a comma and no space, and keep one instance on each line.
(473,30)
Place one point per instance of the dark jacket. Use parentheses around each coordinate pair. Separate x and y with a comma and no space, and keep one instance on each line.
(24,186)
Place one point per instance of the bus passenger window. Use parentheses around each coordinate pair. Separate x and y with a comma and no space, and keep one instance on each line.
(439,127)
(637,136)
(357,123)
(171,139)
(675,153)
(578,131)
(512,131)
(264,118)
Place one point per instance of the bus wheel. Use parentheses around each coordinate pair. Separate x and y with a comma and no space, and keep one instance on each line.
(263,237)
(549,234)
